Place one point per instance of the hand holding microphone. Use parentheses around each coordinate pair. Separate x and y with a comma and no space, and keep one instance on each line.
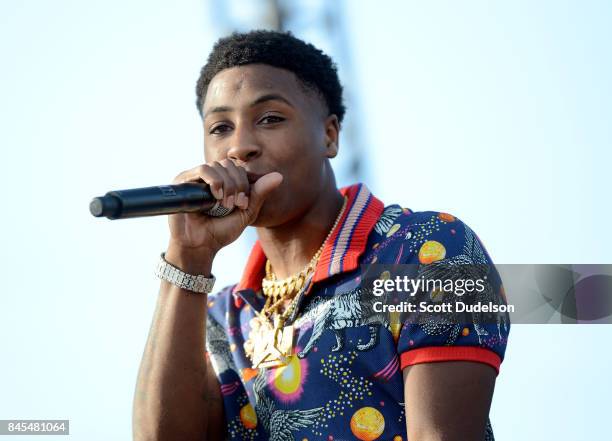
(231,185)
(221,185)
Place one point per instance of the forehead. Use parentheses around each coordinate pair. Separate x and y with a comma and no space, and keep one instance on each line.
(232,85)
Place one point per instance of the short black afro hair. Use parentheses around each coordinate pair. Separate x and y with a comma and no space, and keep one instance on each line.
(313,68)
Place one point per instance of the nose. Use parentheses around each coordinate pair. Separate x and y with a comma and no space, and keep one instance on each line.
(243,146)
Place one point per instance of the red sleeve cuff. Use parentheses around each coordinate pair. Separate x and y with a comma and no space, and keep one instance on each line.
(450,353)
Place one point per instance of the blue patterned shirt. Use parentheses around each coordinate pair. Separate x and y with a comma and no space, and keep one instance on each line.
(344,381)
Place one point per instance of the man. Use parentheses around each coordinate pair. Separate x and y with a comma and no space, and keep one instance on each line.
(294,350)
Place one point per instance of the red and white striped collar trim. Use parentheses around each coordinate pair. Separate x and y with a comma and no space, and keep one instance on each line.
(342,250)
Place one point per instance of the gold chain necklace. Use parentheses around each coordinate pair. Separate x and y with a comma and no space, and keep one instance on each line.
(271,344)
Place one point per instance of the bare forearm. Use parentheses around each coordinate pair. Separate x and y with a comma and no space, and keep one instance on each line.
(176,389)
(170,400)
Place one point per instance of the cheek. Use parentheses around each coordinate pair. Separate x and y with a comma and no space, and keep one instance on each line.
(299,156)
(212,154)
(302,169)
(299,144)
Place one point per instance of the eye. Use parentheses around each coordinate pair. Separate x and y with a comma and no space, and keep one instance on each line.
(219,129)
(271,119)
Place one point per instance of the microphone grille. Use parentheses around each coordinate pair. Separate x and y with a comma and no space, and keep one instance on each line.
(219,210)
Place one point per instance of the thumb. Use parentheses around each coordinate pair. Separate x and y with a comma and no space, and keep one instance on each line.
(260,191)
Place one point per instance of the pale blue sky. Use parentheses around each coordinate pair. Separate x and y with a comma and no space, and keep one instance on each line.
(497,112)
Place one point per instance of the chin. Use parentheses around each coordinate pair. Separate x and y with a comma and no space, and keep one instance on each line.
(269,216)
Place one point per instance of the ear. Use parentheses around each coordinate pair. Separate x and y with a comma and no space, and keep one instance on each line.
(332,136)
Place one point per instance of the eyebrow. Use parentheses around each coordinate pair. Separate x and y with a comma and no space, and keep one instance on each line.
(261,99)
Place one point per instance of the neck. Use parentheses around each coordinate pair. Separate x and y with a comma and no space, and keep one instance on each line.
(290,246)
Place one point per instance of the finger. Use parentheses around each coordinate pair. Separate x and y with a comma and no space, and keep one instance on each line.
(184,177)
(214,179)
(260,191)
(229,186)
(238,174)
(203,173)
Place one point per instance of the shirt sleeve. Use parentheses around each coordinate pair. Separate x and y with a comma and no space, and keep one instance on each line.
(452,251)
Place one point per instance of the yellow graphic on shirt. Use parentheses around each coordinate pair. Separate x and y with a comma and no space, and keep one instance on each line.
(367,424)
(287,379)
(395,324)
(393,230)
(431,251)
(248,416)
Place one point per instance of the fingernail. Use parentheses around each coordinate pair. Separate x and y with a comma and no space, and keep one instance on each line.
(220,193)
(230,202)
(240,200)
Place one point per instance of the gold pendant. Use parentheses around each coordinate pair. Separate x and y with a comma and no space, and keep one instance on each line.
(272,346)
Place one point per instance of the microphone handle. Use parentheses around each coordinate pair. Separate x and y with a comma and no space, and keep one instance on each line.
(153,201)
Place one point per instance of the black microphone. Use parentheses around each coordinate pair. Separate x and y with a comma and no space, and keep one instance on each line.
(158,200)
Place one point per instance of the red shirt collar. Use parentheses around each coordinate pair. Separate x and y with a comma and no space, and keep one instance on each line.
(341,251)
